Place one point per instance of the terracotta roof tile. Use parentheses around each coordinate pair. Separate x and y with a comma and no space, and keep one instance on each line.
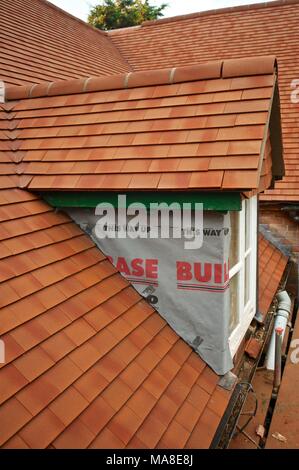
(37,395)
(133,376)
(85,356)
(97,415)
(16,442)
(63,374)
(164,410)
(177,392)
(140,337)
(107,440)
(40,432)
(13,416)
(168,367)
(218,401)
(34,363)
(175,435)
(208,179)
(116,394)
(155,384)
(203,430)
(125,424)
(144,181)
(207,380)
(187,416)
(142,402)
(150,431)
(187,375)
(12,348)
(198,397)
(111,367)
(174,180)
(249,178)
(12,380)
(76,436)
(91,384)
(57,346)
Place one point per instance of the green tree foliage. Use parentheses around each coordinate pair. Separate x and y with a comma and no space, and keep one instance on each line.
(113,14)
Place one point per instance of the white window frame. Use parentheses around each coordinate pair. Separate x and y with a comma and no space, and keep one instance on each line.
(246,312)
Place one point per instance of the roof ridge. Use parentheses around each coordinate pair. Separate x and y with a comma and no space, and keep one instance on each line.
(252,6)
(217,69)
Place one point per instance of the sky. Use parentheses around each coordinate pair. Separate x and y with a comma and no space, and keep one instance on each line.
(80,8)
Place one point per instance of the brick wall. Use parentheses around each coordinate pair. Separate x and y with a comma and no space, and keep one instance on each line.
(282,227)
(279,226)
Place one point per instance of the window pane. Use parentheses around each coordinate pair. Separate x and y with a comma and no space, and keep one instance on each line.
(234,243)
(234,302)
(247,280)
(247,224)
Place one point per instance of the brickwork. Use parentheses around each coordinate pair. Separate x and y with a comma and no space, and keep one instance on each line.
(279,226)
(282,227)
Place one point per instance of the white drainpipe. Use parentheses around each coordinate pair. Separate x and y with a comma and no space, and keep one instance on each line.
(281,321)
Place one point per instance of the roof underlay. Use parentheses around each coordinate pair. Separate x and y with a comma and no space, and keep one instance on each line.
(191,128)
(243,31)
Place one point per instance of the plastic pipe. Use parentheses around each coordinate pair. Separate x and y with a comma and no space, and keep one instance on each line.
(281,321)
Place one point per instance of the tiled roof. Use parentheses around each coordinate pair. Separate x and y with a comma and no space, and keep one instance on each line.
(42,43)
(89,363)
(246,31)
(200,127)
(272,263)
